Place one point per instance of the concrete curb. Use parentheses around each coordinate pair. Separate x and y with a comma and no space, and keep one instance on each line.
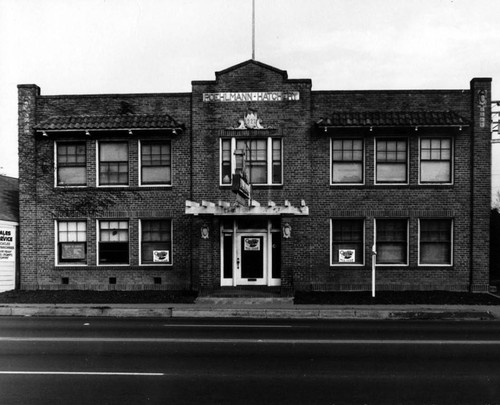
(290,312)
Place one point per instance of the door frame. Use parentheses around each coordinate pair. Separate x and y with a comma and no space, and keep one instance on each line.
(236,279)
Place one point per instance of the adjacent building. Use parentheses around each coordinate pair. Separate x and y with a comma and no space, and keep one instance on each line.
(254,180)
(9,221)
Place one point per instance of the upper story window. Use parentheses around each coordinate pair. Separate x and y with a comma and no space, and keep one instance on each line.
(391,161)
(435,160)
(347,161)
(262,158)
(71,164)
(156,165)
(113,242)
(113,163)
(72,242)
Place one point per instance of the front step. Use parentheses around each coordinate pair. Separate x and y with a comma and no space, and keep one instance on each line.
(245,301)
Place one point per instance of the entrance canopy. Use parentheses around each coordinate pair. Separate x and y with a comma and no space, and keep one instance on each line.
(223,208)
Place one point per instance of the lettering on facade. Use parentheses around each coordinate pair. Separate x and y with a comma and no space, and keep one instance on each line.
(482,107)
(227,97)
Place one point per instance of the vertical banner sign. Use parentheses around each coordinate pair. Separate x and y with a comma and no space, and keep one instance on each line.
(482,108)
(7,244)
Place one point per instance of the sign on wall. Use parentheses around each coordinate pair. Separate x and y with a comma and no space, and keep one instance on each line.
(7,244)
(228,97)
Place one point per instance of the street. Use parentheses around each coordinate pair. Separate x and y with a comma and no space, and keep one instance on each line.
(227,361)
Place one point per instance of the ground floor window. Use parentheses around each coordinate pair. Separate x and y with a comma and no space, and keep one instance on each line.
(156,241)
(113,242)
(435,236)
(392,241)
(347,241)
(72,242)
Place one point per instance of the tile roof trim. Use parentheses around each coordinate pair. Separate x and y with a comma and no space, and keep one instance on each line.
(108,122)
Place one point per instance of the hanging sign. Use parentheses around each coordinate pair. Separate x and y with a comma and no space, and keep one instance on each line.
(240,186)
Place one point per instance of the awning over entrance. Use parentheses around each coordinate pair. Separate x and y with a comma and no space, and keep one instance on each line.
(223,208)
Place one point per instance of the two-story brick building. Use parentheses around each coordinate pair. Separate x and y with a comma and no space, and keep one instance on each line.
(136,191)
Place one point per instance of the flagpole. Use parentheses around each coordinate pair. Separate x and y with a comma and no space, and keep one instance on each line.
(253,29)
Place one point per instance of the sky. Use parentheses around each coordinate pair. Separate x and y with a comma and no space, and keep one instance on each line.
(143,46)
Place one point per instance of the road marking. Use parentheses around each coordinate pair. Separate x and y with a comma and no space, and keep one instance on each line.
(81,373)
(252,341)
(226,326)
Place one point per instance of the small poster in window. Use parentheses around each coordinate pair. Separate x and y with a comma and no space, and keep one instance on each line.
(347,256)
(161,256)
(73,251)
(252,244)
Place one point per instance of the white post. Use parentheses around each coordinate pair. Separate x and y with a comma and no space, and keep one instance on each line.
(374,257)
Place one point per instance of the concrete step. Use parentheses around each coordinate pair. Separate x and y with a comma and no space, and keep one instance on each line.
(245,301)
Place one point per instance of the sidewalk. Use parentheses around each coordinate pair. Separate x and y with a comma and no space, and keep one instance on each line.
(260,310)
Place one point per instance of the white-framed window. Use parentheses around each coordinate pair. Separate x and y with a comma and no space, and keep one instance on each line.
(391,236)
(436,160)
(155,163)
(347,242)
(263,160)
(435,238)
(71,242)
(347,161)
(113,242)
(156,241)
(71,164)
(391,161)
(113,163)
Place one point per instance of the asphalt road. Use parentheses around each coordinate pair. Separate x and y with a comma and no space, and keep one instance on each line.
(171,361)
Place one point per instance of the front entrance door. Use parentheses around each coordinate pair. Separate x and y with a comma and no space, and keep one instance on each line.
(251,259)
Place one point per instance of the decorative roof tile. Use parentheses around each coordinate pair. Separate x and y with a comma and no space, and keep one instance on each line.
(393,119)
(122,121)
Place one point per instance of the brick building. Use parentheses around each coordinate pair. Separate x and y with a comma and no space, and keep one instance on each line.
(151,191)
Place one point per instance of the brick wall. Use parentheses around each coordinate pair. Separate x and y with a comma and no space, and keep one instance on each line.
(306,156)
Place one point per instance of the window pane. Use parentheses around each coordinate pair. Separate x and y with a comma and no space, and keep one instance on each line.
(391,172)
(258,174)
(156,175)
(113,253)
(435,253)
(435,172)
(113,152)
(347,173)
(391,253)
